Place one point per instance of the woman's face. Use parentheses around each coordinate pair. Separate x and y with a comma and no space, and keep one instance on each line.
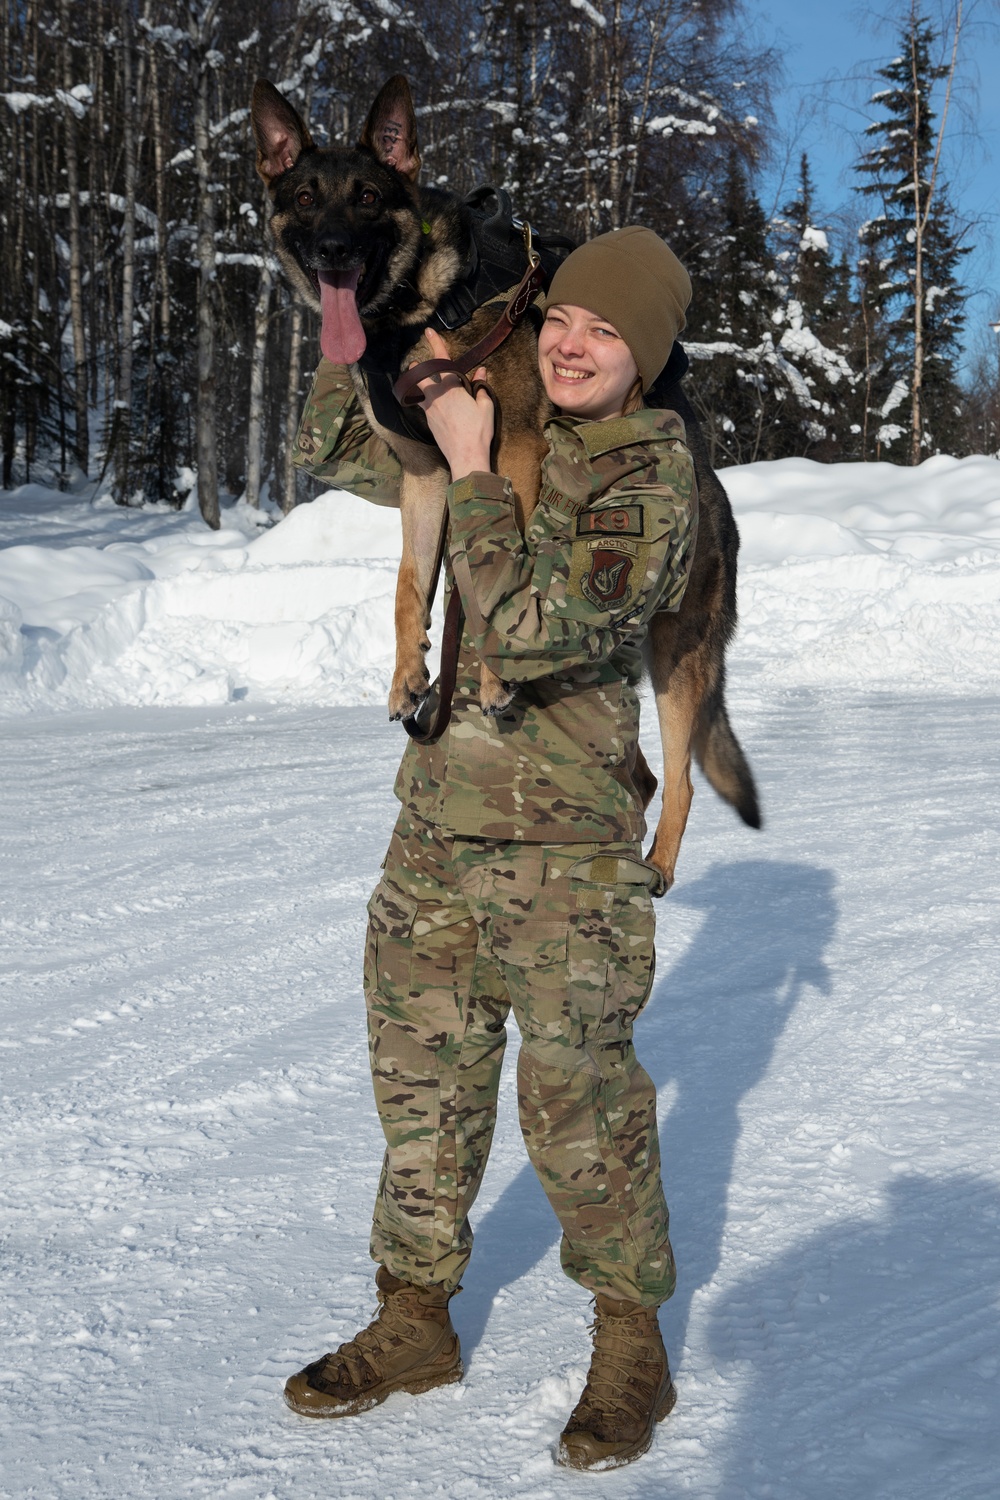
(586,366)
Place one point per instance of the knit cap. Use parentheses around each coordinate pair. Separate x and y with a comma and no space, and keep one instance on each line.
(633,279)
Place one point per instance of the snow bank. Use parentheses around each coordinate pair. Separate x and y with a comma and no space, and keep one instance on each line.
(861,574)
(302,612)
(869,574)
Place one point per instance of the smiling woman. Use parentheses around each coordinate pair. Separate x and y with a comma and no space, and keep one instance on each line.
(586,366)
(515,880)
(629,293)
(614,305)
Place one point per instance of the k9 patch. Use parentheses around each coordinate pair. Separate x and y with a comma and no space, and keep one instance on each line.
(622,520)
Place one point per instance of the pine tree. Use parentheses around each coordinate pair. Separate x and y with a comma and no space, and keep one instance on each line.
(735,295)
(816,316)
(770,330)
(911,252)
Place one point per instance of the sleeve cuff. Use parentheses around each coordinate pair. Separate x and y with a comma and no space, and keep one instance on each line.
(482,486)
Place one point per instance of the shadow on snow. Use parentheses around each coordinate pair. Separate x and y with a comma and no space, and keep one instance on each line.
(708,1035)
(865,1359)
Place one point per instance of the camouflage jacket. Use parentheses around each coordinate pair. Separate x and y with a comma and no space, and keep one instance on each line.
(562,612)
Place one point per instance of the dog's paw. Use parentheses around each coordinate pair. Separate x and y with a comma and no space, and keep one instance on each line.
(499,698)
(407,693)
(663,862)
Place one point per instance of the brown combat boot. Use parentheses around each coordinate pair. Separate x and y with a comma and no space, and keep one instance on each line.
(410,1345)
(628,1389)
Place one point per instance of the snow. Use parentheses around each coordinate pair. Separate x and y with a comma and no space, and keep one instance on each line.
(674,124)
(899,568)
(18,101)
(190,1146)
(896,396)
(799,342)
(870,575)
(813,239)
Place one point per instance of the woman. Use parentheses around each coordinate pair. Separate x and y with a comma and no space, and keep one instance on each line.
(514,875)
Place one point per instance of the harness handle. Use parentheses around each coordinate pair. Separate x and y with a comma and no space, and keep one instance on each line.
(407,390)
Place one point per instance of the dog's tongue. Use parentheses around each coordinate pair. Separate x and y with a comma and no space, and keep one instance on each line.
(342,338)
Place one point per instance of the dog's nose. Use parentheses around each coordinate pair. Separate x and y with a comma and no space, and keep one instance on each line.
(333,246)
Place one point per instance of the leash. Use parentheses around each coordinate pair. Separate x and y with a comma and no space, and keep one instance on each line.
(454,617)
(407,392)
(406,388)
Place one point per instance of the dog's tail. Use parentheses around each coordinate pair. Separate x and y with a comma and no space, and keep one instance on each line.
(721,758)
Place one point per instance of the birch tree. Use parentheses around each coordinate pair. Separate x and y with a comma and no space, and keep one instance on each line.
(201,28)
(121,439)
(73,107)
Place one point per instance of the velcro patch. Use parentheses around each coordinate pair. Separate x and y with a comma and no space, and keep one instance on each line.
(622,520)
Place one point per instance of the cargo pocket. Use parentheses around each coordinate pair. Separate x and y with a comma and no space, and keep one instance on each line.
(422,955)
(614,928)
(387,946)
(532,956)
(608,871)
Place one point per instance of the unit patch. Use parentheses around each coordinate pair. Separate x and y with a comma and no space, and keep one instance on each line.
(607,571)
(607,581)
(623,520)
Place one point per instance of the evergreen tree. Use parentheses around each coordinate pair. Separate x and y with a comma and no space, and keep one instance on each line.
(771,329)
(910,254)
(735,295)
(816,316)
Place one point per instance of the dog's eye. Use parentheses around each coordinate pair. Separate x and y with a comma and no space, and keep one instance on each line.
(304,198)
(369,197)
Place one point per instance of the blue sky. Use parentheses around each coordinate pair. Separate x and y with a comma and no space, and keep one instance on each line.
(831,50)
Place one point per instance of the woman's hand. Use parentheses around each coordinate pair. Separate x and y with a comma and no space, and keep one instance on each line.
(460,424)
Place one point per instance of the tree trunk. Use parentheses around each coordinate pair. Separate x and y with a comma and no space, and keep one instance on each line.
(81,444)
(206,446)
(255,419)
(292,410)
(159,169)
(122,484)
(921,214)
(616,112)
(656,28)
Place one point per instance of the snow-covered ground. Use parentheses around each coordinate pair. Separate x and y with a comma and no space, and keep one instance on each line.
(856,572)
(189,1141)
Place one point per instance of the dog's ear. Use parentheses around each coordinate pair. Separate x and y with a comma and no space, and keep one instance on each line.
(391,129)
(280,132)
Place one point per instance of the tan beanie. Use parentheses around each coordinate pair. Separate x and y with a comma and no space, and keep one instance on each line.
(633,279)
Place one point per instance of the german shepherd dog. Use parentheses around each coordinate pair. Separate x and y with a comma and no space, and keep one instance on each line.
(375,253)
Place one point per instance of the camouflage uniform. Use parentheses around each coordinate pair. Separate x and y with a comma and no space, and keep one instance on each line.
(514,876)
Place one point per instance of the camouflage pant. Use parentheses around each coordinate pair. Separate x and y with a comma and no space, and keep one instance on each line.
(460,930)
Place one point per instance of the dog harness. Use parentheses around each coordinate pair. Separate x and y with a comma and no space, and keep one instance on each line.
(494,266)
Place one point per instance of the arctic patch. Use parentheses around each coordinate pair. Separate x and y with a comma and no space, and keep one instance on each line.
(607,582)
(621,520)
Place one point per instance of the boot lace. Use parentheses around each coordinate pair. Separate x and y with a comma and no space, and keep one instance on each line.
(358,1364)
(624,1376)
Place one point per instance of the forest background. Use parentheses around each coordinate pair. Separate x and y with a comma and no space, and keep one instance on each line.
(143,319)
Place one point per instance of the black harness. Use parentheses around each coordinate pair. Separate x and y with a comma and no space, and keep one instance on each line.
(495,263)
(496,258)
